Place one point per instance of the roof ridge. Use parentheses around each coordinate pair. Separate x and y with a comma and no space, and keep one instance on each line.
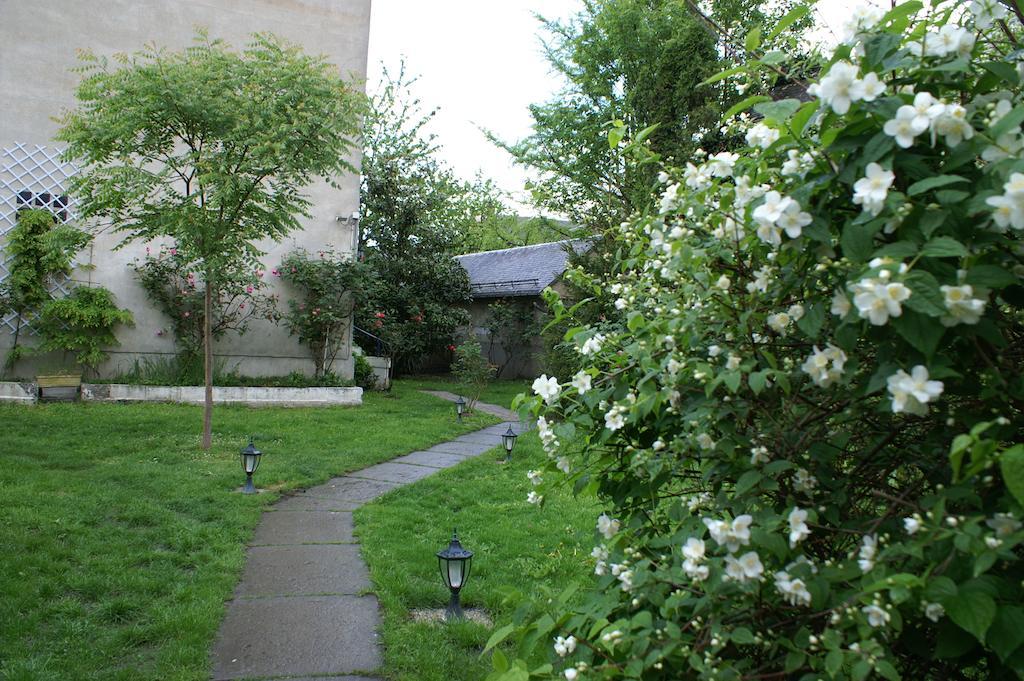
(522,248)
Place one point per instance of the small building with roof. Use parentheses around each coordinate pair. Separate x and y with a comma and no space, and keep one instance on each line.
(507,312)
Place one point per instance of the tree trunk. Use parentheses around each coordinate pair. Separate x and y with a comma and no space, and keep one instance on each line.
(208,364)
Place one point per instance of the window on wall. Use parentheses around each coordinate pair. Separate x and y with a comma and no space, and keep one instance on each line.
(55,203)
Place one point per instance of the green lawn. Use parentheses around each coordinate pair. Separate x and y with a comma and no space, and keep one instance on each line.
(120,540)
(497,392)
(517,547)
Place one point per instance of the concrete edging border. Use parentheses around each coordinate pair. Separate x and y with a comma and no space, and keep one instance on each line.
(251,396)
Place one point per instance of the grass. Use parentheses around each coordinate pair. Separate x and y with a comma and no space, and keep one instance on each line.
(121,540)
(497,392)
(517,546)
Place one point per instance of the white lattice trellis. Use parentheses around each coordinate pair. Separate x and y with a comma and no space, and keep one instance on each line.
(32,176)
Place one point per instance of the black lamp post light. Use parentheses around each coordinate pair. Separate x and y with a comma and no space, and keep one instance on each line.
(455,563)
(508,441)
(250,462)
(460,407)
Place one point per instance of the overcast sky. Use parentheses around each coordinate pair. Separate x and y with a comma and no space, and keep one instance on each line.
(482,63)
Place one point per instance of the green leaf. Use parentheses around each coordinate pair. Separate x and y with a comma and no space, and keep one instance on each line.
(722,75)
(757,381)
(944,247)
(931,221)
(933,182)
(745,104)
(973,611)
(499,636)
(792,16)
(899,16)
(615,136)
(779,111)
(812,321)
(747,482)
(990,276)
(499,661)
(833,662)
(925,296)
(732,380)
(923,333)
(742,635)
(1004,70)
(885,669)
(857,241)
(753,39)
(803,116)
(1008,122)
(1007,632)
(1011,463)
(772,58)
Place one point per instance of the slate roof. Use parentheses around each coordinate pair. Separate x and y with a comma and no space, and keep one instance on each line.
(522,271)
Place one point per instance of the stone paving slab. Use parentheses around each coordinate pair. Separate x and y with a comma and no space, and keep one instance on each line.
(297,636)
(352,489)
(308,569)
(312,502)
(461,448)
(433,459)
(391,471)
(480,439)
(493,409)
(304,527)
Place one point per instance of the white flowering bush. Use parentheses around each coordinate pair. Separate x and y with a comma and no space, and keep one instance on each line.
(805,420)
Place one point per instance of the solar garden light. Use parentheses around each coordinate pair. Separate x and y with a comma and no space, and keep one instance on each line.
(508,441)
(454,562)
(460,407)
(250,462)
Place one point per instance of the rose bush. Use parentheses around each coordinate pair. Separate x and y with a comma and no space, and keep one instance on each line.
(805,420)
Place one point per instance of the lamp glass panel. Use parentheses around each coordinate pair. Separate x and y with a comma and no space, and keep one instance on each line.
(250,463)
(455,573)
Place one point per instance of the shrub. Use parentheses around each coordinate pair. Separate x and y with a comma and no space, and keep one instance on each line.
(364,376)
(472,370)
(83,323)
(176,287)
(804,420)
(331,286)
(40,251)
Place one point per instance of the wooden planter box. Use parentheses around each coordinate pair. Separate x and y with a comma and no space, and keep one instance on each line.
(62,386)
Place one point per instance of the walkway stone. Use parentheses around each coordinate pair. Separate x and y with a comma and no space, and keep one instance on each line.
(299,612)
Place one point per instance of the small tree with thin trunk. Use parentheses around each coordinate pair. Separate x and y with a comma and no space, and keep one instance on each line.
(211,148)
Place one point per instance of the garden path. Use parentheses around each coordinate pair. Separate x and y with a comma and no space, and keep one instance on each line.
(303,608)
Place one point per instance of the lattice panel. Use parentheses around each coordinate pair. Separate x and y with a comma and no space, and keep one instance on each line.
(32,176)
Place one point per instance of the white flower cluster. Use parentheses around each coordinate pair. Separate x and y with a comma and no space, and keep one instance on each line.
(607,525)
(777,214)
(1009,207)
(878,299)
(746,567)
(912,392)
(730,535)
(693,563)
(948,121)
(859,20)
(798,529)
(949,39)
(793,589)
(987,12)
(565,646)
(547,388)
(825,367)
(963,306)
(867,553)
(871,190)
(841,87)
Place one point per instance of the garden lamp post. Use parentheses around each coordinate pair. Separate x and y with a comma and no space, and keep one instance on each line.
(508,441)
(460,407)
(250,462)
(454,562)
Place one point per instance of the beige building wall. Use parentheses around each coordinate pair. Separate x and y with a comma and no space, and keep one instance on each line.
(38,44)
